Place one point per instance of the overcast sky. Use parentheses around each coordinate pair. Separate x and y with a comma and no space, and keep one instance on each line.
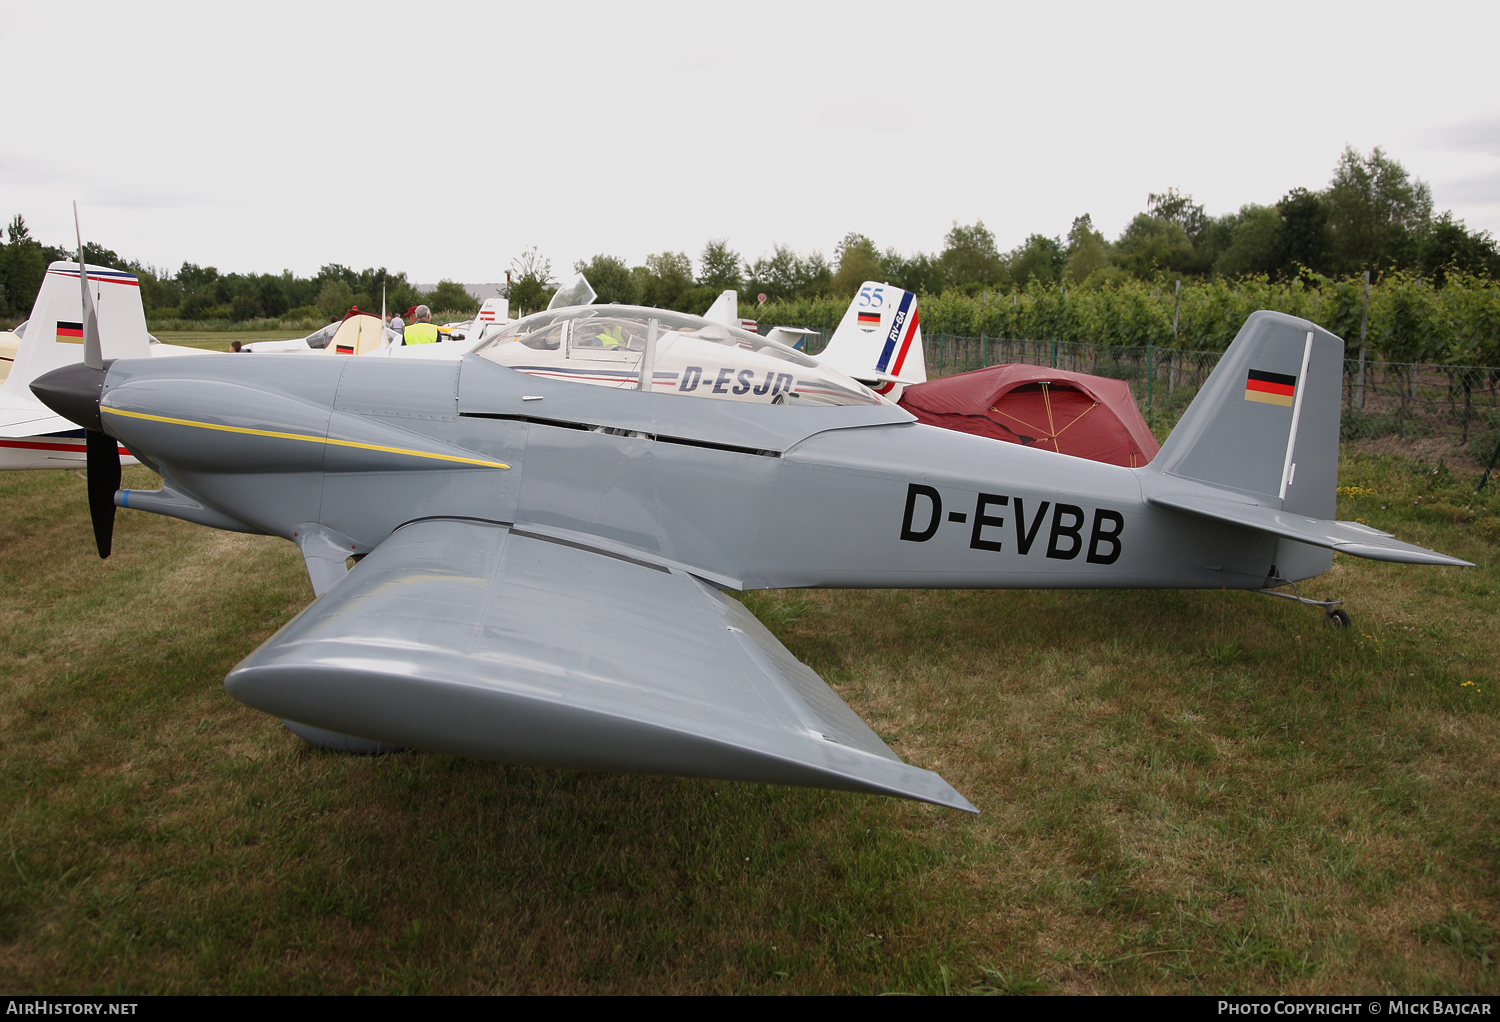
(444,138)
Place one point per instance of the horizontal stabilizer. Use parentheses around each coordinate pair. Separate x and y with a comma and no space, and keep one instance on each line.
(28,422)
(1342,537)
(481,640)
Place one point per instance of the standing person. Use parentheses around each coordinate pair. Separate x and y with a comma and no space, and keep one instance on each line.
(393,333)
(422,331)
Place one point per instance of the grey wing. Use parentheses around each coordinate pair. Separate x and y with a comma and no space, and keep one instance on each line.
(483,640)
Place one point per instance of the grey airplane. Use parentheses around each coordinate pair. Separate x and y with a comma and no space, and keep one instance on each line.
(539,566)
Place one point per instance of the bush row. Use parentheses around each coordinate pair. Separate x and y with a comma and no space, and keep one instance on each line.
(1409,320)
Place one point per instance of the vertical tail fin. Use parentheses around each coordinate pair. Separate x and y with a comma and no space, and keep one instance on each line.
(1267,421)
(879,340)
(725,309)
(1259,449)
(55,333)
(492,315)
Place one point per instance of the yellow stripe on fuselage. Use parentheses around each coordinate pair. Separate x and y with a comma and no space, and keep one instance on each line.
(304,437)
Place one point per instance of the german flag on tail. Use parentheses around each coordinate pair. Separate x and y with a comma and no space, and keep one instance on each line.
(69,333)
(1270,388)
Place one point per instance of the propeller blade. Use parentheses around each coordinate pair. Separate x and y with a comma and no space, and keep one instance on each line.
(73,392)
(104,479)
(93,354)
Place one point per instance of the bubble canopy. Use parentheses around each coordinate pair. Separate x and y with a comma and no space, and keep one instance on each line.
(630,327)
(635,348)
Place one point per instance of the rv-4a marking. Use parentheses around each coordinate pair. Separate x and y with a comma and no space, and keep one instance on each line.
(541,563)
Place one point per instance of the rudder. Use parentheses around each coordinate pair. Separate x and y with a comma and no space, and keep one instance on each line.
(879,340)
(1266,423)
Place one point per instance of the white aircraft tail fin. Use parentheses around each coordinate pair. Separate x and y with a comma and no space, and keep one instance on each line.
(725,309)
(879,340)
(55,332)
(492,315)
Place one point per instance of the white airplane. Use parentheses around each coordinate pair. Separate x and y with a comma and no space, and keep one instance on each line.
(358,333)
(726,310)
(492,315)
(10,341)
(879,340)
(361,333)
(31,437)
(876,350)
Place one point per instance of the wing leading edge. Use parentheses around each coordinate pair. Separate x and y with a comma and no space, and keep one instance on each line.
(483,640)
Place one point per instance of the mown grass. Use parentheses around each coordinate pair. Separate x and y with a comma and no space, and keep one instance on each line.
(1180,791)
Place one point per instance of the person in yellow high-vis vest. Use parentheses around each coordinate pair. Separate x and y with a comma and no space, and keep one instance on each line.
(421,331)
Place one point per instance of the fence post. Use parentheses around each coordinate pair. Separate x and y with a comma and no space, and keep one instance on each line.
(1150,374)
(1487,469)
(1364,317)
(1171,372)
(984,351)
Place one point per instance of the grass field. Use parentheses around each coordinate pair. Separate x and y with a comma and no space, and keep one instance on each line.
(1180,792)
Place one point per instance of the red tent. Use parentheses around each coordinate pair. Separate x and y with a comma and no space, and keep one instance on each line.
(1056,410)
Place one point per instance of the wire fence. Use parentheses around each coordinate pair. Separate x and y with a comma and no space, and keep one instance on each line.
(1435,411)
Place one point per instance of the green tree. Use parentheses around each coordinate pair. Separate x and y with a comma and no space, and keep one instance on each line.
(1173,207)
(1038,258)
(783,275)
(201,305)
(858,260)
(1304,232)
(611,280)
(1088,253)
(1255,242)
(1378,214)
(1150,245)
(244,307)
(334,299)
(271,294)
(98,255)
(664,278)
(1450,247)
(817,276)
(450,296)
(531,282)
(719,266)
(192,276)
(921,274)
(970,257)
(25,263)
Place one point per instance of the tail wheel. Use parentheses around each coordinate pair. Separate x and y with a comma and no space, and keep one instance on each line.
(1339,618)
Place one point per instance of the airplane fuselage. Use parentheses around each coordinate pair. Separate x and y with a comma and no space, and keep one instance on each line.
(745,496)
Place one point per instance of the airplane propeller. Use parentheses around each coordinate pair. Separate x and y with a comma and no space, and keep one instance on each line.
(73,392)
(101,452)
